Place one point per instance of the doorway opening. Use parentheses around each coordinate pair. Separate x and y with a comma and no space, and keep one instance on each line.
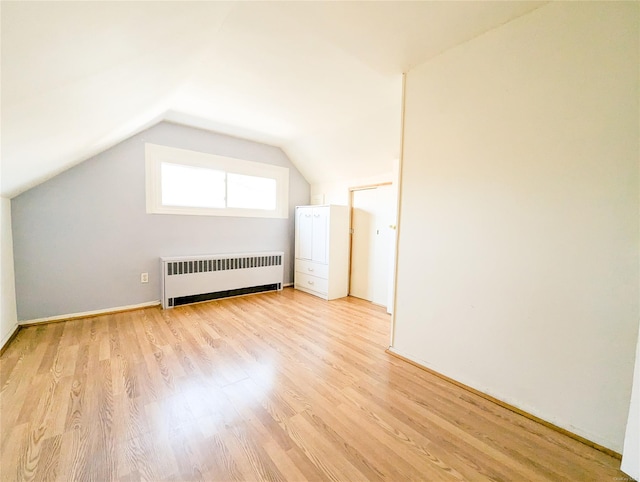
(373,238)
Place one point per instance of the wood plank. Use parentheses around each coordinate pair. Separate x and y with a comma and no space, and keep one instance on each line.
(274,386)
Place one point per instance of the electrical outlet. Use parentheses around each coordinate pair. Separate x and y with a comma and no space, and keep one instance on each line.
(144,277)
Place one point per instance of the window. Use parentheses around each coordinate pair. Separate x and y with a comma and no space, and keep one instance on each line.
(188,182)
(251,192)
(191,186)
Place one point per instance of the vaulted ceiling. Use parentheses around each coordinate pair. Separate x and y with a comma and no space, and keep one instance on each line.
(322,80)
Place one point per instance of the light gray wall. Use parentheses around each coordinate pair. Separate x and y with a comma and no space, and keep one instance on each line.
(82,239)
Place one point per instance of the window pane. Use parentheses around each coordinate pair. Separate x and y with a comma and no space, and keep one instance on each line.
(192,186)
(251,192)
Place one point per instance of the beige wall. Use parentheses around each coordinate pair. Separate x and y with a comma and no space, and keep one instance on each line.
(518,247)
(338,192)
(8,316)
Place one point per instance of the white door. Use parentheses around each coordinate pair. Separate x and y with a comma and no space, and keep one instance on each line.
(373,216)
(320,231)
(304,232)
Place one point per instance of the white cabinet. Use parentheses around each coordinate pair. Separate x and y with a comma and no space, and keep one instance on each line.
(304,233)
(319,231)
(322,251)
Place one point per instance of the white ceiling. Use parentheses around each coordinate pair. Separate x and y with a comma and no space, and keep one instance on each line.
(322,80)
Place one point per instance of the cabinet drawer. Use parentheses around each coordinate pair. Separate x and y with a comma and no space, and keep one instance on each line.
(306,282)
(311,268)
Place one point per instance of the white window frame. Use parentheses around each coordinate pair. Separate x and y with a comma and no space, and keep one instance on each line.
(156,154)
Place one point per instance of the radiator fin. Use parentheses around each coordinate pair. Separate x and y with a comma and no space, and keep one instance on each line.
(176,268)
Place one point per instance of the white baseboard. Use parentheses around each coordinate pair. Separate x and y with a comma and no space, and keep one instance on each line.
(518,406)
(106,311)
(86,314)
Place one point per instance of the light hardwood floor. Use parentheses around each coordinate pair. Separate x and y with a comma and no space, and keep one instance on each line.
(276,386)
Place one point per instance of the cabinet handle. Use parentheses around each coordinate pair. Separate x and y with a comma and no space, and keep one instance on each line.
(308,215)
(316,215)
(310,269)
(310,282)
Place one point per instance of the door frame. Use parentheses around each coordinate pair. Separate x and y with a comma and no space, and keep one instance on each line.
(353,189)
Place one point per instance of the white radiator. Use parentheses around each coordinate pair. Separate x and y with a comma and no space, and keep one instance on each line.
(189,279)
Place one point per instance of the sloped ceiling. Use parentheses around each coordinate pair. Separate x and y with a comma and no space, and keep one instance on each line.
(322,80)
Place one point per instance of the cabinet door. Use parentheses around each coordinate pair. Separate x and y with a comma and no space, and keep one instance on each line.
(320,232)
(304,232)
